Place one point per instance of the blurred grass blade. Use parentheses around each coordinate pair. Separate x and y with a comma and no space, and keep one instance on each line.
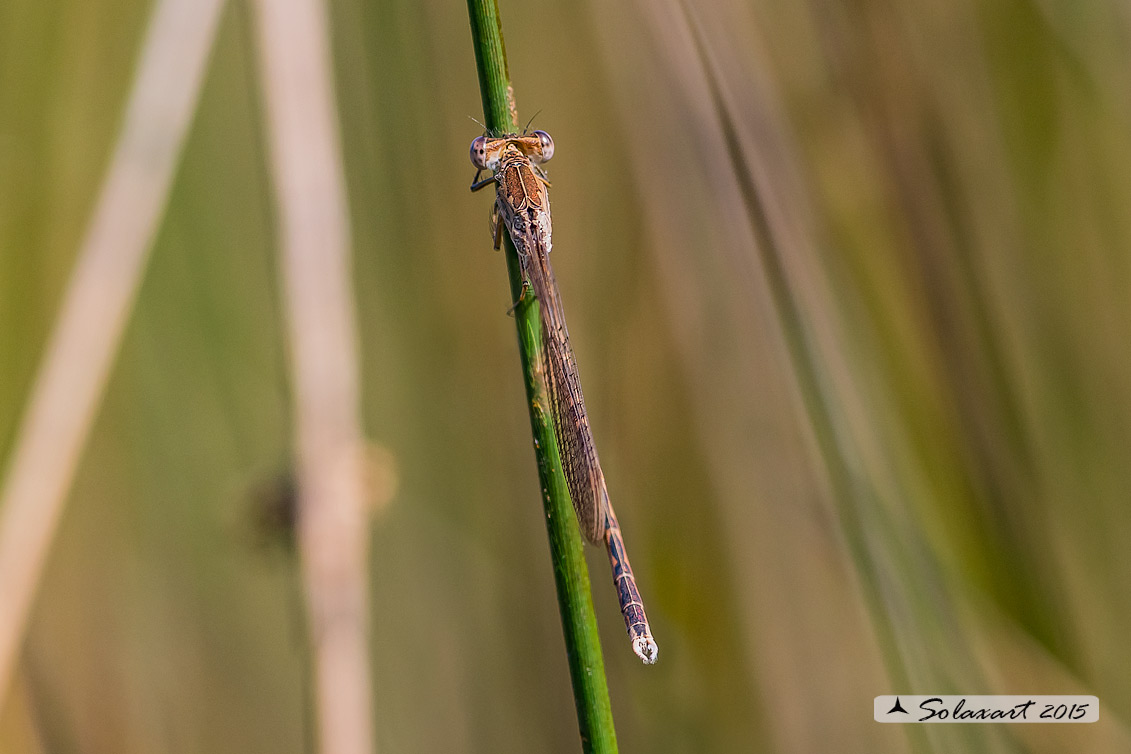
(96,305)
(894,561)
(314,237)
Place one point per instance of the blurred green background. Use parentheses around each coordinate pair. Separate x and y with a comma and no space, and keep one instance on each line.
(912,478)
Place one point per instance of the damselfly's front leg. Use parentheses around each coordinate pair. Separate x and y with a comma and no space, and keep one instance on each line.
(477,184)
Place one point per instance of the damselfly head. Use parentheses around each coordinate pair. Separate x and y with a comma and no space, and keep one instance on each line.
(479,153)
(545,145)
(487,152)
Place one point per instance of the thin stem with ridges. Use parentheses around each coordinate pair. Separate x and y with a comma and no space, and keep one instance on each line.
(571,576)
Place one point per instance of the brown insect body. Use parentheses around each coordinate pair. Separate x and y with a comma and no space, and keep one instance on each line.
(523,206)
(521,188)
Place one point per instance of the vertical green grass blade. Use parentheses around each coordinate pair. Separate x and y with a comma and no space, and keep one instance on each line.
(571,576)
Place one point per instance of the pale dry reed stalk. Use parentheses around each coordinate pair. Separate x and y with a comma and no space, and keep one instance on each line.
(96,306)
(314,237)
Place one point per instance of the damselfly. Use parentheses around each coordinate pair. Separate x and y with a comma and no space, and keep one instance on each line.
(522,204)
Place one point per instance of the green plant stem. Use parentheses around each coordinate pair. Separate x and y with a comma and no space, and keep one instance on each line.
(571,576)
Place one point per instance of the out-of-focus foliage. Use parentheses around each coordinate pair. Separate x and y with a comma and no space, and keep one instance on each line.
(947,186)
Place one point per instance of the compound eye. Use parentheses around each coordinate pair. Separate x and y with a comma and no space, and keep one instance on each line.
(479,152)
(547,145)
